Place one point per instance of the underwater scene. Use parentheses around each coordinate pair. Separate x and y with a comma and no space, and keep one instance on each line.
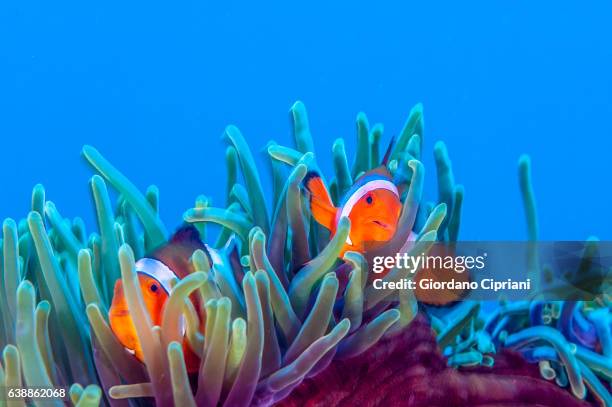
(308,205)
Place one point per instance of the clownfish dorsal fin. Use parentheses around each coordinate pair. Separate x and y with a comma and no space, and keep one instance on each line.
(387,155)
(175,254)
(321,205)
(380,171)
(186,233)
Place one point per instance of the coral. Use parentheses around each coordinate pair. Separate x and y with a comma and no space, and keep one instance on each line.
(288,322)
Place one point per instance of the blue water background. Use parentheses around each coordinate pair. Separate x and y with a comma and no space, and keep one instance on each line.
(153,84)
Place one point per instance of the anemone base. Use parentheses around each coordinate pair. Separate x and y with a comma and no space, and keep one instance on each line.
(409,370)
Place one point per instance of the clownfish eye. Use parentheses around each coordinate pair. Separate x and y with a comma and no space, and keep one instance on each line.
(369,199)
(153,288)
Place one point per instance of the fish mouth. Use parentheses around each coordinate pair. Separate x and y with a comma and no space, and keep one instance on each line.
(381,224)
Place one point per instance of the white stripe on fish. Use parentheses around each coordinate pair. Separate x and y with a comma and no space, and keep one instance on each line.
(360,193)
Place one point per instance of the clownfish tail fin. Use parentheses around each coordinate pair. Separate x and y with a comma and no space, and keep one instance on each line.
(321,205)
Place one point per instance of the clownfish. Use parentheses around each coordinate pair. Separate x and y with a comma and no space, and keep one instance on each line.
(372,204)
(155,273)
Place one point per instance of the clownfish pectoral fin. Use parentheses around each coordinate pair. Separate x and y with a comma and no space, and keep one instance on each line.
(321,205)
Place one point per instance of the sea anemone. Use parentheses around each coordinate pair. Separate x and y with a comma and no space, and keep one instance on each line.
(304,327)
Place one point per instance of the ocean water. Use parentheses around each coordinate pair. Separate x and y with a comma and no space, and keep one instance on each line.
(153,84)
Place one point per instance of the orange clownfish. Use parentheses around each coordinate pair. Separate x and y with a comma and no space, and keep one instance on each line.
(372,204)
(155,273)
